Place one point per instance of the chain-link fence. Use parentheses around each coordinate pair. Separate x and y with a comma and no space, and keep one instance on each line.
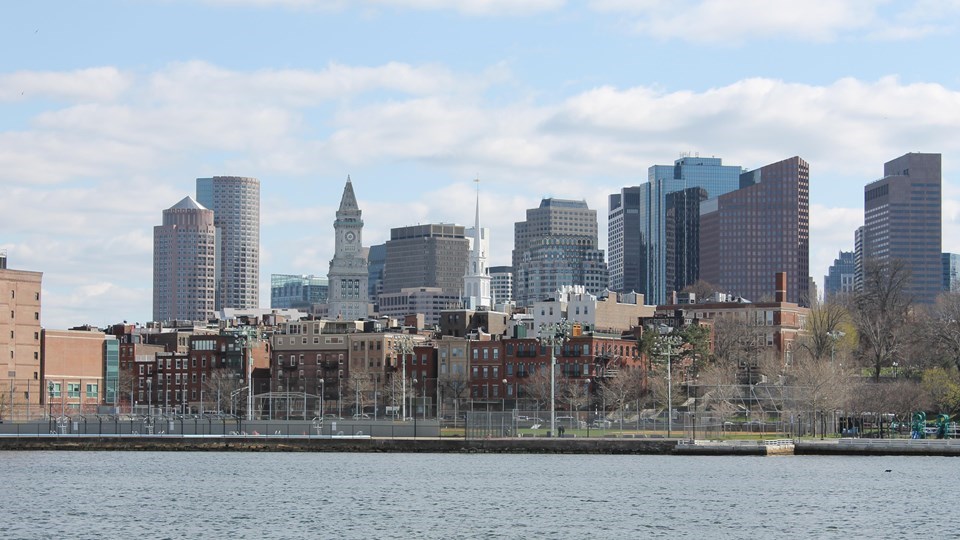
(158,425)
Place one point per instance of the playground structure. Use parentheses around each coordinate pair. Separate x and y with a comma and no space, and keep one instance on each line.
(919,426)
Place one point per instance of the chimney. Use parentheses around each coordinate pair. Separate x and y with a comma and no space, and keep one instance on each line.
(3,259)
(781,295)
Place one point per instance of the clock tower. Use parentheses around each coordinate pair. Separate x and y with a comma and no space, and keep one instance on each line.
(347,297)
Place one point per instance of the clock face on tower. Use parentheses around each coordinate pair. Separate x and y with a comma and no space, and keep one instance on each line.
(350,236)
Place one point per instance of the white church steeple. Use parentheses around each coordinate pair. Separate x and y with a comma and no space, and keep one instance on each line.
(476,283)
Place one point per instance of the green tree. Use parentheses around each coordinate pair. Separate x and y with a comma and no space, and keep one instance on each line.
(943,388)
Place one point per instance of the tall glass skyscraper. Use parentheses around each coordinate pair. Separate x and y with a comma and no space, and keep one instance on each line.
(840,276)
(951,272)
(638,230)
(235,202)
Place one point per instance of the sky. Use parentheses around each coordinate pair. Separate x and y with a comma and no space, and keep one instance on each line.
(110,110)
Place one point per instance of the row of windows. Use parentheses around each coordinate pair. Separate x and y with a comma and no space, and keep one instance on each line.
(73,390)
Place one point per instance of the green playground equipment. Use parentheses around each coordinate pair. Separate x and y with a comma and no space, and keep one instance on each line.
(943,422)
(918,425)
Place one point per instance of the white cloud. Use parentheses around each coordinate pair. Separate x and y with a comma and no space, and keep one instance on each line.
(466,7)
(85,181)
(93,84)
(736,21)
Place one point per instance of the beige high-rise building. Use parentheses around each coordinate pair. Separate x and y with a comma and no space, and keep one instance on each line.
(184,263)
(20,392)
(235,201)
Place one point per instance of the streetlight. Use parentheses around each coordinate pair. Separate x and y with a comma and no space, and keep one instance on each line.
(504,406)
(50,390)
(835,336)
(150,396)
(321,398)
(553,335)
(669,341)
(403,345)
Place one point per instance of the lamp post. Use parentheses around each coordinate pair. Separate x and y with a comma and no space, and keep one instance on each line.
(50,401)
(150,396)
(553,335)
(504,406)
(321,398)
(669,341)
(834,336)
(403,345)
(414,412)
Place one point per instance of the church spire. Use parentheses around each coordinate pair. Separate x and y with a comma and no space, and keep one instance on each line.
(477,280)
(476,229)
(348,201)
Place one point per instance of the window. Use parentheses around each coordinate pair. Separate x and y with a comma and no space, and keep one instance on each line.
(55,391)
(476,372)
(92,390)
(496,354)
(73,390)
(486,372)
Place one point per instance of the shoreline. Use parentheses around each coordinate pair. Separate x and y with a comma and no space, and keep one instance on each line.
(680,447)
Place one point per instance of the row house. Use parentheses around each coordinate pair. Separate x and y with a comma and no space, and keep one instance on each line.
(339,363)
(208,376)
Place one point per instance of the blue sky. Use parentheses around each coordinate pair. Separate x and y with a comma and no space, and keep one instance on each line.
(109,110)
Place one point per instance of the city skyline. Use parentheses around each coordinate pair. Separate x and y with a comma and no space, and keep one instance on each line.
(540,98)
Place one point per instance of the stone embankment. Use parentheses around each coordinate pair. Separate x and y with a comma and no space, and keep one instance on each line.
(240,443)
(336,444)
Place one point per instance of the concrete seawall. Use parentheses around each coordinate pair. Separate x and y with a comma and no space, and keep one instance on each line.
(146,443)
(878,447)
(285,444)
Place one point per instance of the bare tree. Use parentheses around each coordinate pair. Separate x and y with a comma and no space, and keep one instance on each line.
(821,329)
(575,392)
(942,327)
(880,311)
(734,339)
(537,387)
(821,386)
(400,391)
(702,289)
(219,388)
(622,388)
(454,386)
(126,387)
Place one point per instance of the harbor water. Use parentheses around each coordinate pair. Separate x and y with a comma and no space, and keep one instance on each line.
(147,495)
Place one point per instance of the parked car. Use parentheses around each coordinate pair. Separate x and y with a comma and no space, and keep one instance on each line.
(361,416)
